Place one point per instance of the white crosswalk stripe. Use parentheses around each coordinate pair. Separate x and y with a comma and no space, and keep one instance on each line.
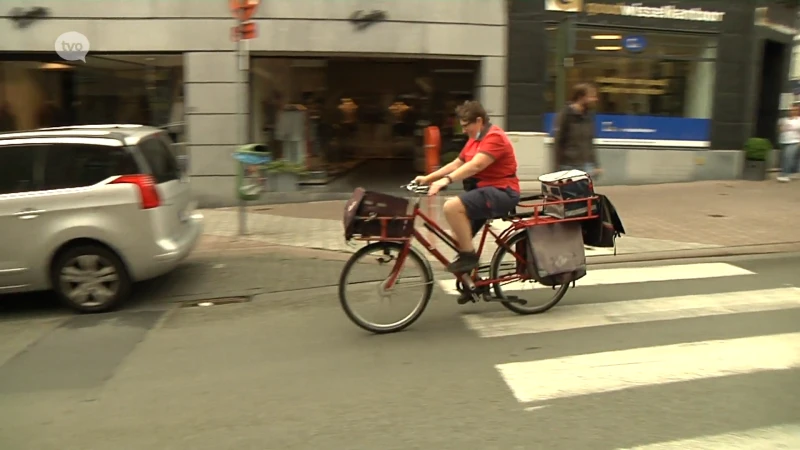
(571,376)
(786,436)
(570,317)
(628,275)
(595,373)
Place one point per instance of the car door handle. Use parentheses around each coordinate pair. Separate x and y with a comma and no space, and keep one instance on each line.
(29,213)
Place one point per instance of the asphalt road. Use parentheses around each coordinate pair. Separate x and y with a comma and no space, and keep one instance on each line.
(709,359)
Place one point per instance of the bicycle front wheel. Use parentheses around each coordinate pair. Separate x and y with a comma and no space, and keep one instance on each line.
(365,298)
(540,298)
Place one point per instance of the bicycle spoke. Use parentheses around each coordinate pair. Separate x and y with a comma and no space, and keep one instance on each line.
(369,303)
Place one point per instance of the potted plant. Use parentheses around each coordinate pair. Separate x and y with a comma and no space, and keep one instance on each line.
(284,176)
(756,151)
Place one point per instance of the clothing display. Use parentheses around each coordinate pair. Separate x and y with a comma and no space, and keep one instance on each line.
(290,129)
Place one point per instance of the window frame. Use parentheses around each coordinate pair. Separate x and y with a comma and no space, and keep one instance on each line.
(47,148)
(551,44)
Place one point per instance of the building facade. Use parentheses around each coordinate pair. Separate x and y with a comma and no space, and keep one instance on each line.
(681,83)
(168,61)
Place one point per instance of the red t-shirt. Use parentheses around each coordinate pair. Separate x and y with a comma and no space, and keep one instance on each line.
(502,173)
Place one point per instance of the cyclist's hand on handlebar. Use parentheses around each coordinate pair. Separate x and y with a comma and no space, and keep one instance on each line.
(421,180)
(437,186)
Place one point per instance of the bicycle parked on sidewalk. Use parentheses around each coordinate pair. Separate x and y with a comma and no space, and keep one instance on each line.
(392,234)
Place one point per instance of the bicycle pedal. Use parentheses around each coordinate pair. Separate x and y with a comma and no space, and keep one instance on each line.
(464,301)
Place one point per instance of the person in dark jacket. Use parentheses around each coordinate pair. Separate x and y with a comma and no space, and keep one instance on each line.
(574,132)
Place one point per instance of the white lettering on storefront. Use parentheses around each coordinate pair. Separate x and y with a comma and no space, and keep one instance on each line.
(656,12)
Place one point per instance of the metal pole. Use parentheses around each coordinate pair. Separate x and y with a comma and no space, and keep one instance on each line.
(241,106)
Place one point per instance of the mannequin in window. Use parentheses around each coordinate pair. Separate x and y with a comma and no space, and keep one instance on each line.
(398,111)
(349,111)
(290,129)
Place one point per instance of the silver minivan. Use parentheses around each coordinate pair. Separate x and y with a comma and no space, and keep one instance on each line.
(88,210)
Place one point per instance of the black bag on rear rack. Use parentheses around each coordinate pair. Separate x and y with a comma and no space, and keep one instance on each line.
(554,253)
(605,229)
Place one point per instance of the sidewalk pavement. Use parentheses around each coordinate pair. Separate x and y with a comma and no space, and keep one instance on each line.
(658,218)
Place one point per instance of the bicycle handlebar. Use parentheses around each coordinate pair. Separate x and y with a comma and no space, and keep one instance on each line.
(419,189)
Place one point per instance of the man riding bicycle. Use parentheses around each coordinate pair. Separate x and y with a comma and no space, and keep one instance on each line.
(487,166)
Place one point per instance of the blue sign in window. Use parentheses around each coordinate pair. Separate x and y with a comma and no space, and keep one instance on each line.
(653,128)
(634,44)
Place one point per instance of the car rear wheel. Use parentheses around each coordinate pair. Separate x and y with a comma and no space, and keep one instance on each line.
(90,279)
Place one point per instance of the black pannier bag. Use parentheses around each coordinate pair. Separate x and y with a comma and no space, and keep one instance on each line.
(553,253)
(567,185)
(361,214)
(605,229)
(469,184)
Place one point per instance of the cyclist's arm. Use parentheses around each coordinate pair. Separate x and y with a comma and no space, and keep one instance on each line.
(447,169)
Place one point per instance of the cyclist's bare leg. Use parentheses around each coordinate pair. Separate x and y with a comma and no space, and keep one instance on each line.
(456,215)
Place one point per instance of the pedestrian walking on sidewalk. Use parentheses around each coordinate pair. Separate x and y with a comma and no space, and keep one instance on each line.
(790,141)
(574,132)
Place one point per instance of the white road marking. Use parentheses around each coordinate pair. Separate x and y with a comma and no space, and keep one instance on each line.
(785,436)
(570,376)
(629,275)
(498,324)
(534,408)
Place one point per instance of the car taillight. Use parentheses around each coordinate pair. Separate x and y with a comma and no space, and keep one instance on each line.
(147,189)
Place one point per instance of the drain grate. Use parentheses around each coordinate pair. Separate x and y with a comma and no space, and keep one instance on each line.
(206,302)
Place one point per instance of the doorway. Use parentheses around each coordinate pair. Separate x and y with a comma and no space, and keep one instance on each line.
(770,89)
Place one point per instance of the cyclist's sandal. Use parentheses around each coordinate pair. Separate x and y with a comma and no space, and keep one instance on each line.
(465,262)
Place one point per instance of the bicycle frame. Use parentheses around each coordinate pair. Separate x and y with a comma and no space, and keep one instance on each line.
(499,238)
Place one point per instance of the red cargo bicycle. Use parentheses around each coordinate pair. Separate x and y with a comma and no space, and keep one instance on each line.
(391,237)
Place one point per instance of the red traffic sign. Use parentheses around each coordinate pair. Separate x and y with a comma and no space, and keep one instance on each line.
(243,9)
(244,31)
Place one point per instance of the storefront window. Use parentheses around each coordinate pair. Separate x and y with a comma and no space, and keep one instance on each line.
(651,85)
(141,89)
(333,114)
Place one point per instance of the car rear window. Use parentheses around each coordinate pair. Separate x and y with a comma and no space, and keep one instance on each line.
(79,165)
(162,162)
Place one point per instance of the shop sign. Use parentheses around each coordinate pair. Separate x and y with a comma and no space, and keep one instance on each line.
(634,44)
(669,12)
(24,17)
(362,20)
(647,130)
(654,12)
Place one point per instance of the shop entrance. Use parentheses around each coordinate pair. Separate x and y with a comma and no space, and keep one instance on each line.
(770,90)
(357,121)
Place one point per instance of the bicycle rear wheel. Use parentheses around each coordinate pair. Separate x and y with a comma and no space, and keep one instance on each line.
(540,298)
(367,271)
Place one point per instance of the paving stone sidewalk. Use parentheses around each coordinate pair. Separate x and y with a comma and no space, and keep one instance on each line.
(665,217)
